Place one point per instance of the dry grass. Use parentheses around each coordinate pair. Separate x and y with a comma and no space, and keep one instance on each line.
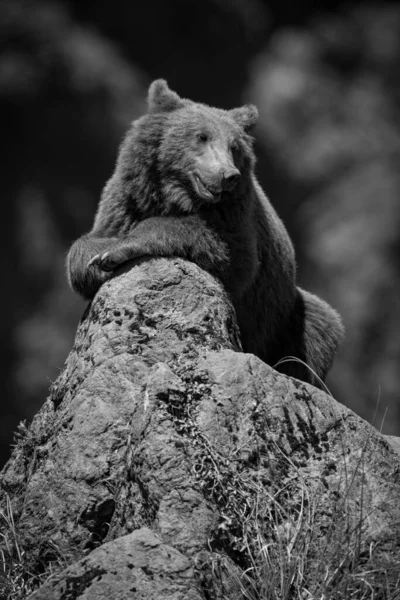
(16,581)
(291,560)
(18,576)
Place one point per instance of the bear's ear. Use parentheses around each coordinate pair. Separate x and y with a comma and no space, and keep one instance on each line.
(161,99)
(245,116)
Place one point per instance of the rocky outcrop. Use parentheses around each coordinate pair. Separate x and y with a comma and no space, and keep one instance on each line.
(166,463)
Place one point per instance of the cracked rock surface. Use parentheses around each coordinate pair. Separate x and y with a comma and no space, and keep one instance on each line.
(161,439)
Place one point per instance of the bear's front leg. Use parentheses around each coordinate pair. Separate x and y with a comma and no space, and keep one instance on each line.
(185,237)
(117,255)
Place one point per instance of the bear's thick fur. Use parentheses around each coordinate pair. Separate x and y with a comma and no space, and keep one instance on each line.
(184,186)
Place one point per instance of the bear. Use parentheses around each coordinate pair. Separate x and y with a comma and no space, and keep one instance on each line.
(184,185)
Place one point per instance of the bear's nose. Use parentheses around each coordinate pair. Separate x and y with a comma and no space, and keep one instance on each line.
(230,178)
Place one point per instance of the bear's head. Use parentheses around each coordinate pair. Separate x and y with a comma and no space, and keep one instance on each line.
(186,154)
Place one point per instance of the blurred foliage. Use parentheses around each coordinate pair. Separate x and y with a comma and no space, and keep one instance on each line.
(330,115)
(72,76)
(66,97)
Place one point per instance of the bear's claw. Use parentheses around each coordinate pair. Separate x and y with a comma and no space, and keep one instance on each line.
(94,260)
(101,260)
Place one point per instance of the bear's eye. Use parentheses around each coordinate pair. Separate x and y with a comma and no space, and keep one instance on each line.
(203,137)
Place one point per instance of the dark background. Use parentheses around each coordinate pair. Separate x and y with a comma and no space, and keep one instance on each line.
(326,80)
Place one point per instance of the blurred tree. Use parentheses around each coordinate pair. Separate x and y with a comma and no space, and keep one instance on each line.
(201,48)
(66,96)
(329,100)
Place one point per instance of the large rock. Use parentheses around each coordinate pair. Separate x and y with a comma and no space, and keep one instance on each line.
(159,421)
(137,566)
